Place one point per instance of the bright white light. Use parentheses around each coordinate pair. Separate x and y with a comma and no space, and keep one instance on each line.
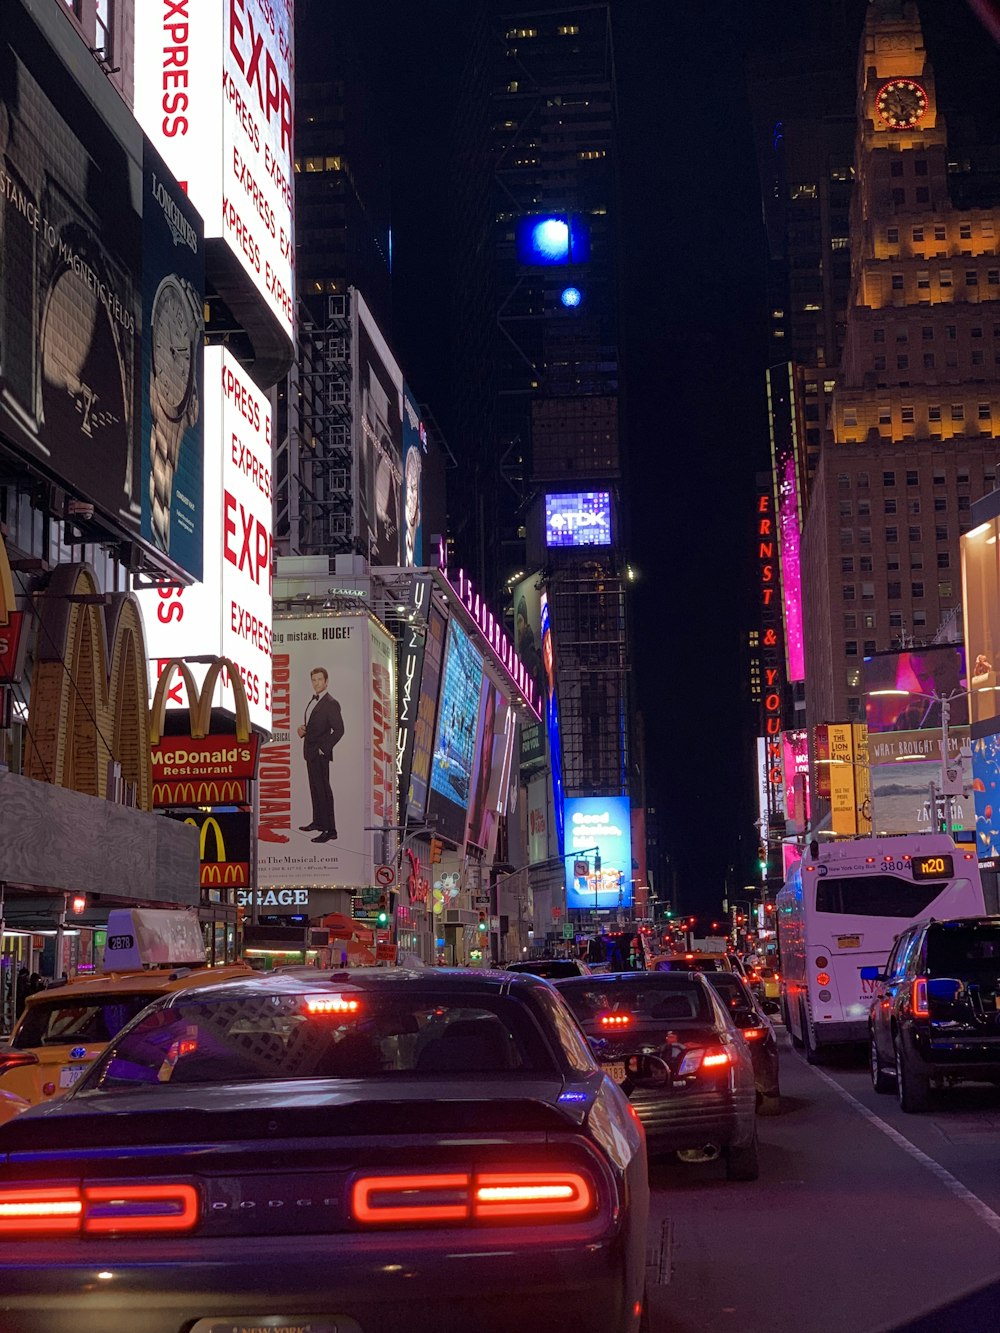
(551,238)
(571,296)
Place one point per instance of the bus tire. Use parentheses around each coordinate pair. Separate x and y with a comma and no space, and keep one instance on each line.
(913,1087)
(811,1049)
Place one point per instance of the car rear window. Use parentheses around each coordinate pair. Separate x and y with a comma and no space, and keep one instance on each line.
(59,1022)
(550,968)
(281,1036)
(678,1001)
(730,990)
(690,965)
(963,950)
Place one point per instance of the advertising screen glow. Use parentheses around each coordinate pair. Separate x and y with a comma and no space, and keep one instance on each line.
(578,518)
(919,679)
(604,822)
(555,238)
(455,746)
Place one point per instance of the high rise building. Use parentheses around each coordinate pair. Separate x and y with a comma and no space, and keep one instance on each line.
(915,411)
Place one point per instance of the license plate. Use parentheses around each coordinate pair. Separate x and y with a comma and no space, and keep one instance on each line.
(617,1070)
(848,941)
(69,1074)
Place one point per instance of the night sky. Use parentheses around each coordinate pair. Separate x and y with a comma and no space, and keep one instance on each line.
(693,328)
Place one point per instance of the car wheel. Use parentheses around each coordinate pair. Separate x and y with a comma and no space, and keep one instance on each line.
(742,1163)
(811,1049)
(881,1081)
(913,1088)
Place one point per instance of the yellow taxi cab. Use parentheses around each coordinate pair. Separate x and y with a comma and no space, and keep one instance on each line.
(62,1030)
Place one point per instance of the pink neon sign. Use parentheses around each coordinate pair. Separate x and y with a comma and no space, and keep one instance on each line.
(493,632)
(791,569)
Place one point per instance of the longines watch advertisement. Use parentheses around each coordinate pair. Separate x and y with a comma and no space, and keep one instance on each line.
(172,444)
(73,331)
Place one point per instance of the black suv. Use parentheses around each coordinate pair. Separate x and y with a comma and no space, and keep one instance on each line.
(935,1017)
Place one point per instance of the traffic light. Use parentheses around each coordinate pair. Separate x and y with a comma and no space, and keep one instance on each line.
(437,847)
(383,918)
(482,927)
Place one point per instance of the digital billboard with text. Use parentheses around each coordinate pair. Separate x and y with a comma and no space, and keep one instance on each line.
(228,614)
(455,745)
(602,822)
(213,90)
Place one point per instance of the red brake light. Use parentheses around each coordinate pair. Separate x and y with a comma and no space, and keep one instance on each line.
(714,1058)
(615,1020)
(753,1034)
(70,1209)
(823,979)
(331,1004)
(918,998)
(519,1196)
(16,1060)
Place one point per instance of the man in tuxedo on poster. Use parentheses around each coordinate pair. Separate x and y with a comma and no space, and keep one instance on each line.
(322,728)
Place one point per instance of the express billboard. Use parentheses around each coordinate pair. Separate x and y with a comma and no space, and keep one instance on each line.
(227,614)
(213,90)
(378,438)
(414,453)
(455,742)
(602,822)
(100,253)
(328,775)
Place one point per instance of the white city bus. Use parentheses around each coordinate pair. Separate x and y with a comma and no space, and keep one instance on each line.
(840,909)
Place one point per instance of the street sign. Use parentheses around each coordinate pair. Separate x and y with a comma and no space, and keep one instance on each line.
(569,930)
(385,953)
(385,875)
(581,868)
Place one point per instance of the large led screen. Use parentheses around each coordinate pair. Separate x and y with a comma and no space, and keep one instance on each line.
(455,745)
(603,822)
(986,789)
(423,732)
(552,719)
(414,453)
(378,442)
(981,579)
(548,239)
(578,518)
(916,680)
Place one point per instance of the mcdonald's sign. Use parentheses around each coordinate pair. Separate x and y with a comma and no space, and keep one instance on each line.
(7,602)
(201,767)
(225,848)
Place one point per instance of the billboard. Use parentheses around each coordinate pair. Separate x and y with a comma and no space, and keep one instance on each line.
(986,789)
(411,662)
(578,518)
(213,90)
(414,453)
(378,443)
(552,721)
(981,600)
(603,822)
(795,771)
(455,743)
(91,230)
(495,737)
(916,678)
(850,797)
(331,759)
(227,614)
(552,238)
(902,767)
(527,600)
(422,752)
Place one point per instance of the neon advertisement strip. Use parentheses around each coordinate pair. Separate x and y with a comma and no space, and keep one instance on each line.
(493,632)
(791,569)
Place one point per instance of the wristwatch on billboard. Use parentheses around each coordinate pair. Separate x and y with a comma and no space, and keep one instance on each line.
(175,329)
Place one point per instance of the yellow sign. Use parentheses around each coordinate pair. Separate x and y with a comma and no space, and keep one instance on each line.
(7,603)
(850,792)
(200,700)
(220,869)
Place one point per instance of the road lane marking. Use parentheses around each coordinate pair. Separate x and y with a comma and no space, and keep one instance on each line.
(982,1210)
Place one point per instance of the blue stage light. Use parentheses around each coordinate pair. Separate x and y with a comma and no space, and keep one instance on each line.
(571,296)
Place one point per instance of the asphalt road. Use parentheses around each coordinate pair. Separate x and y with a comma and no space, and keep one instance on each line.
(864,1219)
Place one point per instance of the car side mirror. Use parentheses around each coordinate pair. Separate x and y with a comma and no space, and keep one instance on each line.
(947,989)
(872,974)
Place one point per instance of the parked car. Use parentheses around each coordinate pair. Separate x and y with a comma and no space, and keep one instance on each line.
(668,1040)
(935,1016)
(255,1153)
(751,1017)
(551,968)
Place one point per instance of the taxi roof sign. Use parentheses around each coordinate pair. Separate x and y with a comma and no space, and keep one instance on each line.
(144,937)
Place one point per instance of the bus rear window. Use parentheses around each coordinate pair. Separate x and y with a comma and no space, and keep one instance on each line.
(876,895)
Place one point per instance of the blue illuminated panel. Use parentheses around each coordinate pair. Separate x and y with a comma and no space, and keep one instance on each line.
(578,518)
(604,822)
(553,238)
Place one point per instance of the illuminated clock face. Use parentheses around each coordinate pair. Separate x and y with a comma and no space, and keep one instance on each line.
(901,103)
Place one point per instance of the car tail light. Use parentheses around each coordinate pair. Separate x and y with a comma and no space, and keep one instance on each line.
(712,1057)
(918,998)
(98,1209)
(753,1034)
(615,1020)
(33,1211)
(510,1196)
(331,1004)
(16,1060)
